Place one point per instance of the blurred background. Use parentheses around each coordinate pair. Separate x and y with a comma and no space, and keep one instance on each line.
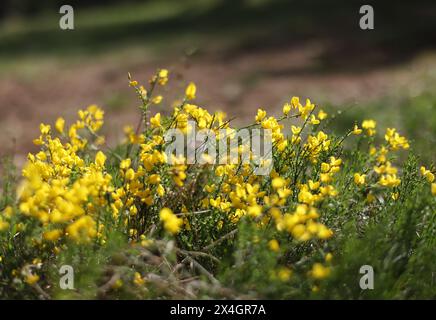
(241,54)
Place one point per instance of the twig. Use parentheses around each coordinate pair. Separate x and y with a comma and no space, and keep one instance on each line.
(226,236)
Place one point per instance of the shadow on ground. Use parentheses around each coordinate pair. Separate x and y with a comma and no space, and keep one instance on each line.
(403,29)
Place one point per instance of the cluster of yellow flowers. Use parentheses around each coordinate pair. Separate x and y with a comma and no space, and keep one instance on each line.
(61,190)
(430,177)
(69,183)
(384,174)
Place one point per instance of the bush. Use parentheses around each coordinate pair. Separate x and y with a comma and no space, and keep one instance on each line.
(138,222)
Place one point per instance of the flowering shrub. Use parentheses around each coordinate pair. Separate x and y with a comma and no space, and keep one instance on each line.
(137,222)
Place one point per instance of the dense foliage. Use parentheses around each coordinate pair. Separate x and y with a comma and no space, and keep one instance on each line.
(133,224)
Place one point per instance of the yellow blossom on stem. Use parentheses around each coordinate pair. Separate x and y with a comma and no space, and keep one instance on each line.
(60,124)
(261,114)
(191,91)
(278,183)
(369,126)
(138,280)
(359,179)
(163,76)
(356,130)
(427,174)
(274,245)
(322,115)
(31,279)
(286,109)
(157,99)
(319,271)
(171,222)
(100,159)
(284,274)
(52,235)
(254,210)
(155,121)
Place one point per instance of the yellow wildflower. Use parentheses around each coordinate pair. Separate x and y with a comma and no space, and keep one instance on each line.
(357,130)
(157,99)
(163,76)
(171,222)
(274,245)
(427,174)
(60,124)
(191,91)
(284,274)
(286,109)
(319,271)
(369,126)
(359,179)
(100,159)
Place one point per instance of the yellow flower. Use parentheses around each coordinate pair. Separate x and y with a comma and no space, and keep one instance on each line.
(137,279)
(254,210)
(389,180)
(356,130)
(125,164)
(160,190)
(427,174)
(100,159)
(295,102)
(8,212)
(45,129)
(325,167)
(369,126)
(60,124)
(274,245)
(130,174)
(322,115)
(335,162)
(82,230)
(319,271)
(359,179)
(261,114)
(324,233)
(171,222)
(157,99)
(286,109)
(314,185)
(31,279)
(328,257)
(190,92)
(314,120)
(395,140)
(117,284)
(278,183)
(284,274)
(163,77)
(155,121)
(52,235)
(3,225)
(154,179)
(433,189)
